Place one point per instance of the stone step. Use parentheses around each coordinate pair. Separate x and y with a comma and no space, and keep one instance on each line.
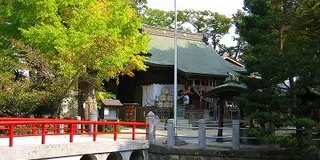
(211,124)
(182,121)
(184,125)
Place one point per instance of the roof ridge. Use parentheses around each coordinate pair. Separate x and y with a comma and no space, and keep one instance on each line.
(170,33)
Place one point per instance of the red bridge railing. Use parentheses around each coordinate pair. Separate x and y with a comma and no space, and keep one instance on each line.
(25,127)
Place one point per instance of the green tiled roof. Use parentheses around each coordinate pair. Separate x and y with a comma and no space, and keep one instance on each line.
(227,87)
(232,85)
(194,57)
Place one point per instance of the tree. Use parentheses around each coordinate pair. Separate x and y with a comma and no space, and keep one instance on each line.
(212,24)
(165,19)
(158,18)
(85,39)
(28,84)
(280,50)
(140,5)
(238,50)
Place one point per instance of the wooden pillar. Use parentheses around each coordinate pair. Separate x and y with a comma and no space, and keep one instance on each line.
(221,113)
(200,93)
(186,87)
(205,90)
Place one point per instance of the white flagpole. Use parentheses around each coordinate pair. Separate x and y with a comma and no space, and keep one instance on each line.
(175,66)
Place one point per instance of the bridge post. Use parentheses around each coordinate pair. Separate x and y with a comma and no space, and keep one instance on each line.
(170,133)
(93,117)
(236,134)
(202,134)
(151,130)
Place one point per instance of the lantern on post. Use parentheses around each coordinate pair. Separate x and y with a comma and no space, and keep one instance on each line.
(186,99)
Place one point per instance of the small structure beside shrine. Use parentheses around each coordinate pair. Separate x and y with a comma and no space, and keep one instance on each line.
(110,109)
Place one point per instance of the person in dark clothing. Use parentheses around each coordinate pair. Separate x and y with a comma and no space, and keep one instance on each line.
(171,115)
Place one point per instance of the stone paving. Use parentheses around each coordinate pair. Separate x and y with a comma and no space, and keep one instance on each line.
(211,143)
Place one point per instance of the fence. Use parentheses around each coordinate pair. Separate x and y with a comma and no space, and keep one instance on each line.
(237,133)
(23,127)
(202,133)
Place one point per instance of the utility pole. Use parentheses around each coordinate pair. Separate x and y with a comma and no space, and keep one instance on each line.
(175,107)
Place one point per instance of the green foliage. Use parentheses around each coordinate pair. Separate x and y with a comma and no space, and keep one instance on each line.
(8,61)
(158,18)
(301,145)
(255,132)
(274,139)
(100,95)
(70,38)
(109,128)
(76,35)
(238,50)
(287,64)
(20,101)
(211,24)
(304,122)
(21,95)
(140,5)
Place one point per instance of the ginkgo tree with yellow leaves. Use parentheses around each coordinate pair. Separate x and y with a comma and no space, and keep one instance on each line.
(84,40)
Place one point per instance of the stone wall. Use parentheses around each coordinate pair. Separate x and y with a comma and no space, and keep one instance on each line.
(82,147)
(161,152)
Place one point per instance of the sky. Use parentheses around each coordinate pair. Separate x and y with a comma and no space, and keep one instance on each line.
(225,7)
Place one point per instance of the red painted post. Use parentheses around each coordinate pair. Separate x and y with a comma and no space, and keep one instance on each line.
(11,134)
(115,132)
(43,137)
(33,129)
(71,132)
(133,132)
(94,132)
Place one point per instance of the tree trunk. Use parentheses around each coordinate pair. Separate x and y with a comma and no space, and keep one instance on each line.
(251,123)
(281,37)
(214,42)
(86,97)
(271,128)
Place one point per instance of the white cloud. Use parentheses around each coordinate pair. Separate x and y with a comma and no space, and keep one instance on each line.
(226,7)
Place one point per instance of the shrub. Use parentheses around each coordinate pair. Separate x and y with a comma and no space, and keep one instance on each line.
(255,132)
(305,122)
(274,139)
(109,128)
(304,146)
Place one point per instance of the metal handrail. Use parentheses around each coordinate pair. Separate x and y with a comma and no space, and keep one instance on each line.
(193,120)
(280,129)
(209,137)
(183,127)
